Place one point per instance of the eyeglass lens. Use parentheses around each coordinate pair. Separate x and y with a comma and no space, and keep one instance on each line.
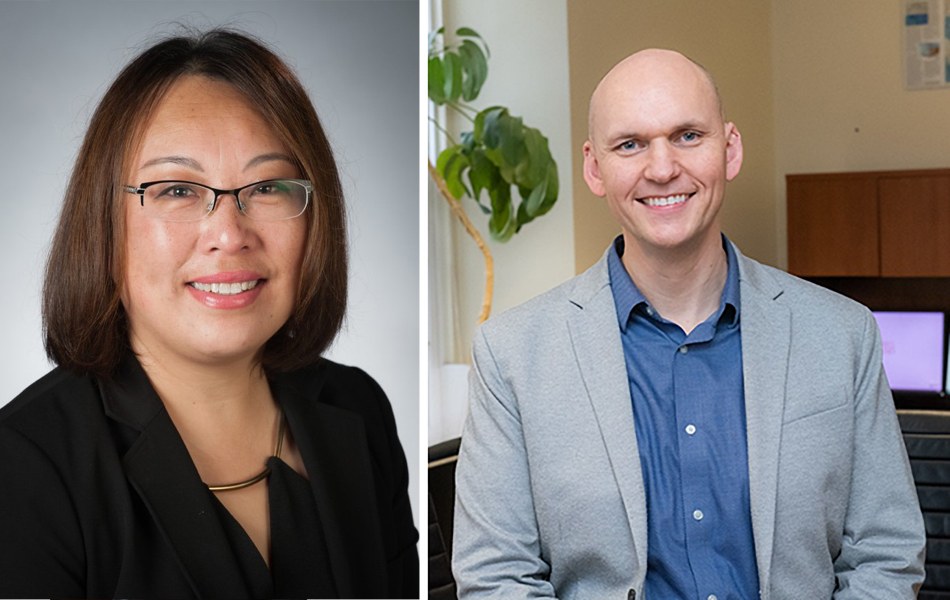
(273,200)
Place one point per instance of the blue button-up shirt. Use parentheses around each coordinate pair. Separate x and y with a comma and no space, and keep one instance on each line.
(689,410)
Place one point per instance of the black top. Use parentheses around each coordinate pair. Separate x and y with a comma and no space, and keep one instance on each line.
(299,565)
(101,499)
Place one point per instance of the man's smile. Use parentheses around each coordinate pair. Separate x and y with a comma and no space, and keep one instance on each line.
(665,200)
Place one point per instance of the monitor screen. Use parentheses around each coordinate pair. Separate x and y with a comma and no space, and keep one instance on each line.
(913,350)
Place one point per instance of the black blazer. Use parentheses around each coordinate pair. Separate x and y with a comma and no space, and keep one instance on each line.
(99,497)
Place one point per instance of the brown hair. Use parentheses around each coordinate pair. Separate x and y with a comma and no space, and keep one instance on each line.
(84,322)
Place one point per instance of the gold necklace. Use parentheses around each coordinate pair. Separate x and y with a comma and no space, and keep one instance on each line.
(260,476)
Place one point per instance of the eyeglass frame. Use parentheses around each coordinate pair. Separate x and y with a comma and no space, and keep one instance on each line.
(305,183)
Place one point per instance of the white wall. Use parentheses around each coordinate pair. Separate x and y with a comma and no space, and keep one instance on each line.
(528,73)
(358,60)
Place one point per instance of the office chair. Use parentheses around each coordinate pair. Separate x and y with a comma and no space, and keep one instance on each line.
(927,438)
(442,460)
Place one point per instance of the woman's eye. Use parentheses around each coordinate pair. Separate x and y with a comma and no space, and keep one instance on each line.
(270,188)
(177,191)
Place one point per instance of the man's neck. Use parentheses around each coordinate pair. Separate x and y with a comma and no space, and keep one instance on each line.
(685,285)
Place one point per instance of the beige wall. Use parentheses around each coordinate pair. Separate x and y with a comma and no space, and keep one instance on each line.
(840,102)
(732,39)
(812,85)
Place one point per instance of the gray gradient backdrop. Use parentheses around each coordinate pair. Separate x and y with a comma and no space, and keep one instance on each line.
(359,61)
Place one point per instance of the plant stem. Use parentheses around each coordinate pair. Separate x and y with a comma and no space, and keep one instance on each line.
(462,108)
(443,130)
(459,212)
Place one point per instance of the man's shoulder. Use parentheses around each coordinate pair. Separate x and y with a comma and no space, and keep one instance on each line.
(546,305)
(800,295)
(550,307)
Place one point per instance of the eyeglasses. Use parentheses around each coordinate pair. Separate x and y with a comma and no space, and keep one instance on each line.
(180,201)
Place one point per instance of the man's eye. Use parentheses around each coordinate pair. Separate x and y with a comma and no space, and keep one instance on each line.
(690,136)
(629,145)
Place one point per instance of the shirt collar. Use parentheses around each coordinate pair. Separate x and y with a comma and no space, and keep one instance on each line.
(627,296)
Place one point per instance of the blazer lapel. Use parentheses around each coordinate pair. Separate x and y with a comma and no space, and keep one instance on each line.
(598,350)
(161,471)
(766,336)
(332,442)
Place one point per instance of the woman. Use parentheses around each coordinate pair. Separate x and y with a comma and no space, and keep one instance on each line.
(192,441)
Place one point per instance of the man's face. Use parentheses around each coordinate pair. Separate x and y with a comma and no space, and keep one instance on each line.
(660,152)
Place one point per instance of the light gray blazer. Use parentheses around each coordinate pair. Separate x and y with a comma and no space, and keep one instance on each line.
(550,499)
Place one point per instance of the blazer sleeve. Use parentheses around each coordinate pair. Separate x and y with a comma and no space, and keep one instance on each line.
(403,559)
(41,545)
(496,544)
(882,552)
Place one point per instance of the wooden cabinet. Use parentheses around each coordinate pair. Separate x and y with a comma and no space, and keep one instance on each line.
(871,224)
(832,226)
(915,226)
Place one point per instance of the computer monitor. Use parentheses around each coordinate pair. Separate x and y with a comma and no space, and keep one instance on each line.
(913,343)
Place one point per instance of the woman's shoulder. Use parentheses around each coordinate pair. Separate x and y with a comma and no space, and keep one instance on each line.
(339,385)
(58,397)
(56,431)
(344,392)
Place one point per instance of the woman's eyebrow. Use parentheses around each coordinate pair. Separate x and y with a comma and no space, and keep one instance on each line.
(271,156)
(195,165)
(177,160)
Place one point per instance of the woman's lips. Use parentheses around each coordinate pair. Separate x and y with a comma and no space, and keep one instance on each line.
(227,290)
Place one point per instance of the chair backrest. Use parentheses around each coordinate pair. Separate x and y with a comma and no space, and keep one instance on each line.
(927,438)
(441,582)
(442,460)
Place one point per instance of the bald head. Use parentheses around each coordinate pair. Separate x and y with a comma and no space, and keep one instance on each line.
(649,71)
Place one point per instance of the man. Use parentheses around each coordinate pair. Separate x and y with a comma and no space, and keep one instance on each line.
(680,421)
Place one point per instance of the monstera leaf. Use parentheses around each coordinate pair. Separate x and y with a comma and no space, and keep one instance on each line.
(500,153)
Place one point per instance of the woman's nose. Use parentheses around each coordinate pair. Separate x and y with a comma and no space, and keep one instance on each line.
(227,228)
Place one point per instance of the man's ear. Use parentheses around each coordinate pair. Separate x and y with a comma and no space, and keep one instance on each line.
(592,171)
(733,151)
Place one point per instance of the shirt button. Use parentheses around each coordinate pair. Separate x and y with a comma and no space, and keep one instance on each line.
(712,597)
(698,515)
(690,429)
(683,349)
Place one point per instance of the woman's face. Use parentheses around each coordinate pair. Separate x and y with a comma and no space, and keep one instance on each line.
(204,131)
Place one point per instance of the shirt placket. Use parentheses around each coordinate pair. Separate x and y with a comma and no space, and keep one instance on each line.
(696,471)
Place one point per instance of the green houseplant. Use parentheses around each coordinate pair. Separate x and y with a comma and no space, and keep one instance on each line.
(497,155)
